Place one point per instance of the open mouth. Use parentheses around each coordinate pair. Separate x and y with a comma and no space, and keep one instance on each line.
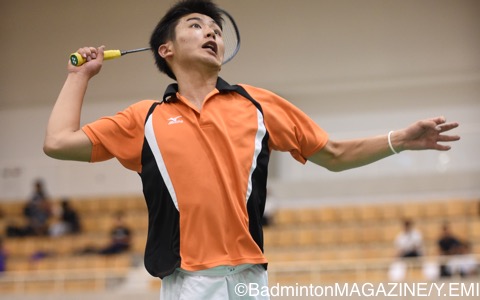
(211,45)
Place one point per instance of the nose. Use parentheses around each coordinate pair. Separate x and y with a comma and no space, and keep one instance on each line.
(211,33)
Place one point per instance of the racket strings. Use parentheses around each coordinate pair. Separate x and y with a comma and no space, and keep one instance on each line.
(231,38)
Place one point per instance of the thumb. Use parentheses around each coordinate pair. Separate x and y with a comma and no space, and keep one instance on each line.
(100,52)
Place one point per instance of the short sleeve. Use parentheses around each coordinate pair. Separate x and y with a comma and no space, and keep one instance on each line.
(289,128)
(120,136)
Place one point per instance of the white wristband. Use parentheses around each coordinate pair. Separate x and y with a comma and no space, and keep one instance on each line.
(390,142)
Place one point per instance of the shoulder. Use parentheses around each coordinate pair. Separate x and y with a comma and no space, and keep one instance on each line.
(137,111)
(267,97)
(257,92)
(270,99)
(143,105)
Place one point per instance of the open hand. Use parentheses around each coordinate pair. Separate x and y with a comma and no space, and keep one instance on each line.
(426,134)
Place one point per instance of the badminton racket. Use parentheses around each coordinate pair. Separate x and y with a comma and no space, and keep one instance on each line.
(230,35)
(77,60)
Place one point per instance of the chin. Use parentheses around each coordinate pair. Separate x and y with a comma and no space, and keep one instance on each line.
(215,63)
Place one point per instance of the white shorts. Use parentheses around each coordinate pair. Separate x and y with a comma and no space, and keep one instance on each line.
(219,283)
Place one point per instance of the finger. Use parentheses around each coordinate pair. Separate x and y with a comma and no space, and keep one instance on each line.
(448,138)
(440,147)
(439,120)
(431,123)
(88,53)
(447,127)
(93,52)
(85,51)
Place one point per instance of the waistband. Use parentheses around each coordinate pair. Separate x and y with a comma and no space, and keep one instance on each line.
(218,271)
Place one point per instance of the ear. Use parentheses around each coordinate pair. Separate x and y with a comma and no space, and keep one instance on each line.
(166,50)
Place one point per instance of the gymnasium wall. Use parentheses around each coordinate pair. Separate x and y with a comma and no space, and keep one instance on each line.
(358,68)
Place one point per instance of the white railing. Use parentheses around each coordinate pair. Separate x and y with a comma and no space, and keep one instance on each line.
(304,272)
(361,270)
(60,281)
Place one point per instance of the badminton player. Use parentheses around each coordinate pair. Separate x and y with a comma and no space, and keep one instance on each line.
(202,154)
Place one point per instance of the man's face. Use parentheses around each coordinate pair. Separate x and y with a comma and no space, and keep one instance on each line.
(198,39)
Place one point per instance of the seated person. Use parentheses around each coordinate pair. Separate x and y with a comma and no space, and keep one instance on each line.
(120,237)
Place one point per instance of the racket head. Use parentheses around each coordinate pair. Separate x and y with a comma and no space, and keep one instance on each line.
(231,36)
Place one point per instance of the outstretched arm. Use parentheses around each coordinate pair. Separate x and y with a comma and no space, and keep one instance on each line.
(421,135)
(64,139)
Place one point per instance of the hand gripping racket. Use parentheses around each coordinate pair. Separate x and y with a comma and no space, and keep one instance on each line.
(230,34)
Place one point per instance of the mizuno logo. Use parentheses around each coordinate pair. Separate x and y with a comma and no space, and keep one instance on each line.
(175,120)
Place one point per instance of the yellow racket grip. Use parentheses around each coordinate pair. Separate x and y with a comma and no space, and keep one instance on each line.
(111,54)
(77,60)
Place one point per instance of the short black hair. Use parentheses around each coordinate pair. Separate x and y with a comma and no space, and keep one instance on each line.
(165,29)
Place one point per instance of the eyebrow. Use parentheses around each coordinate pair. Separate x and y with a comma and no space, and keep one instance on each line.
(201,20)
(194,18)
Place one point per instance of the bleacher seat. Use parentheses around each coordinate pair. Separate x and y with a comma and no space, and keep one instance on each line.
(315,234)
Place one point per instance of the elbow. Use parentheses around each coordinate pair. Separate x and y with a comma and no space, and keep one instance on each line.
(330,157)
(49,152)
(49,149)
(67,148)
(334,166)
(331,163)
(52,148)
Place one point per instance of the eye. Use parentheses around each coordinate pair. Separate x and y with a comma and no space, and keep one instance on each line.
(196,25)
(218,32)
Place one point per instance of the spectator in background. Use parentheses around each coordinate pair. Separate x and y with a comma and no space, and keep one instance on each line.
(409,242)
(447,244)
(120,237)
(3,257)
(70,217)
(270,209)
(463,263)
(66,220)
(38,211)
(15,229)
(39,192)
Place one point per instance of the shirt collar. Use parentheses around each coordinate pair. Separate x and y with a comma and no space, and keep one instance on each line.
(222,86)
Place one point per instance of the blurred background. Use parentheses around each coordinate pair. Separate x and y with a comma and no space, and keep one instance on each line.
(358,68)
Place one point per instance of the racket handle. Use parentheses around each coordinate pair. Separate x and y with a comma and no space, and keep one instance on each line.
(77,60)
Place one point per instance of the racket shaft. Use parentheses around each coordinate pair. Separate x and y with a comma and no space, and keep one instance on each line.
(77,60)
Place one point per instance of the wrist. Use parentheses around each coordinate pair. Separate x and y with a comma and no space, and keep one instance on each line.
(393,142)
(79,76)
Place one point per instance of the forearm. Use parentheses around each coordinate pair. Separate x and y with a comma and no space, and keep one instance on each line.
(343,155)
(361,152)
(65,116)
(64,124)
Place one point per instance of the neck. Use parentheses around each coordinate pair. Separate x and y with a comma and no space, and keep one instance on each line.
(196,86)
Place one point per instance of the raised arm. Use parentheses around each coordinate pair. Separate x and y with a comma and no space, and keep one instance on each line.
(421,135)
(64,138)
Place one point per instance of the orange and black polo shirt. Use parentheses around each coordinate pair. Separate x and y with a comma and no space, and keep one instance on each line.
(204,173)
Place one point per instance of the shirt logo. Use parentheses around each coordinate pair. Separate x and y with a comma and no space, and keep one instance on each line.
(175,120)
